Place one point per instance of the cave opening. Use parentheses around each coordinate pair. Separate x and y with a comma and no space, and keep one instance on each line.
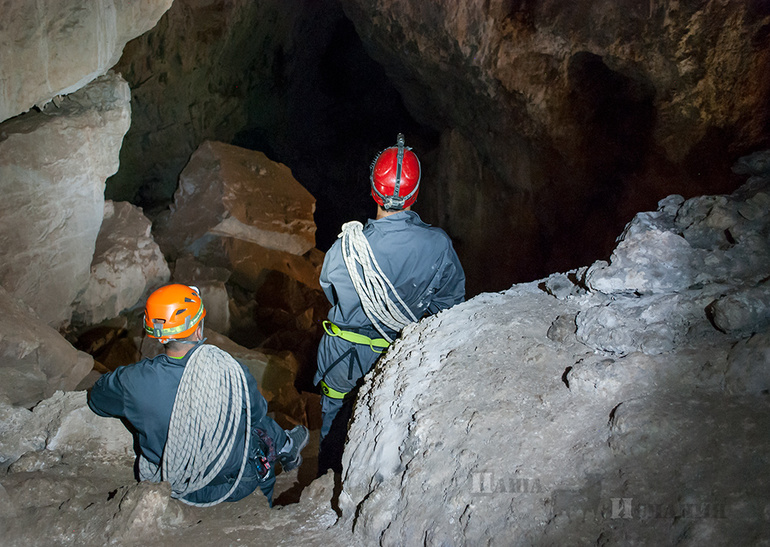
(312,99)
(304,88)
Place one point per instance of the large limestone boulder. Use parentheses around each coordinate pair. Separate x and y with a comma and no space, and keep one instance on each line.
(230,192)
(35,360)
(55,47)
(608,402)
(126,267)
(53,165)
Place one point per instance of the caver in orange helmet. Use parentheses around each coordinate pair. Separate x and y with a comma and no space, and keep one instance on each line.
(173,312)
(395,176)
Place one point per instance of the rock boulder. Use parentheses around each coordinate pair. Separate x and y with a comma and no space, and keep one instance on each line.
(618,405)
(230,192)
(126,267)
(53,166)
(35,360)
(55,47)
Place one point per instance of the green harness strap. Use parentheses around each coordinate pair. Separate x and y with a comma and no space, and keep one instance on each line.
(377,345)
(331,392)
(356,338)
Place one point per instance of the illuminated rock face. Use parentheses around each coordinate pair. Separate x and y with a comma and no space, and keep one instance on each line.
(230,192)
(127,265)
(55,47)
(35,360)
(625,401)
(53,167)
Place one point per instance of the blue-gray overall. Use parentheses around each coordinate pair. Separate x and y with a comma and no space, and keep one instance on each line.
(419,261)
(144,393)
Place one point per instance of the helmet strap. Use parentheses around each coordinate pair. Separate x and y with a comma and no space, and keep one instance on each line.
(399,163)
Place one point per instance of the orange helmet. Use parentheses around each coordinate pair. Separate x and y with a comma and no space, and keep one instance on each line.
(173,312)
(395,176)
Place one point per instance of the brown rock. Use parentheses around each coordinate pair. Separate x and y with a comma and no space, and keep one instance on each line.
(230,192)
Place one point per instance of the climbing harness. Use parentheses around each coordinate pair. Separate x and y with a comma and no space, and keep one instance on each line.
(371,284)
(374,289)
(377,345)
(204,425)
(331,392)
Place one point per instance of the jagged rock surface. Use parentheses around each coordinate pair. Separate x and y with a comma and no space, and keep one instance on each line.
(55,47)
(127,265)
(69,481)
(53,165)
(605,405)
(35,360)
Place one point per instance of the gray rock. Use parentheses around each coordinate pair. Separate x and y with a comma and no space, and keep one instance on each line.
(642,427)
(757,163)
(53,166)
(82,40)
(60,426)
(743,311)
(747,365)
(35,360)
(127,265)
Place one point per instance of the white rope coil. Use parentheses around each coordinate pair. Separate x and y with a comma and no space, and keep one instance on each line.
(204,424)
(371,284)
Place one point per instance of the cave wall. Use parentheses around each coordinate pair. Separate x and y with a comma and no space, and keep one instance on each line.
(63,118)
(192,78)
(579,113)
(54,47)
(294,84)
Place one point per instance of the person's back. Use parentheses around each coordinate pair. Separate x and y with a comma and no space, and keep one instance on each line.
(393,271)
(174,402)
(417,258)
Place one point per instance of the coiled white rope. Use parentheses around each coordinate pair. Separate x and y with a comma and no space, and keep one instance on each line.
(373,287)
(204,424)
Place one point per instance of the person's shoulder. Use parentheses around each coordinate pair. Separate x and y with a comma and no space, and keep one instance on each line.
(420,225)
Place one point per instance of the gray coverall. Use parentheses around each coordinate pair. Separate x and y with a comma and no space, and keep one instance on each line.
(419,261)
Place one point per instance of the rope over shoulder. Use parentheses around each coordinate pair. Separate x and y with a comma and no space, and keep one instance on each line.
(204,424)
(371,284)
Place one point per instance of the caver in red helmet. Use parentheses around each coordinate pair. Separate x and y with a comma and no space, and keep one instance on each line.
(395,176)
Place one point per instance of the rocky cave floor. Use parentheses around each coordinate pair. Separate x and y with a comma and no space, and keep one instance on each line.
(77,499)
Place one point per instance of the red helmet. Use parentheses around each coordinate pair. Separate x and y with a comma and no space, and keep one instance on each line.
(173,312)
(395,176)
